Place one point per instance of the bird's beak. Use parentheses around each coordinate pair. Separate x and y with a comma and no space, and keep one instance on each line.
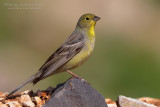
(96,18)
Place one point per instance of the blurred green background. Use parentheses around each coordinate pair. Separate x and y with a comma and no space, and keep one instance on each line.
(126,59)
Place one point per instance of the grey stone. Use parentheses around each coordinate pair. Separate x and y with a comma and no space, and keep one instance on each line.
(76,93)
(131,102)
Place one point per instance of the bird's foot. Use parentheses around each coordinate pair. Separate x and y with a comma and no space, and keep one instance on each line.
(76,76)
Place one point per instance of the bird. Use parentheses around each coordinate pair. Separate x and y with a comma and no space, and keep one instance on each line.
(71,54)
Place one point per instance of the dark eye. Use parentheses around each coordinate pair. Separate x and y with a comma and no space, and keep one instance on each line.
(87,18)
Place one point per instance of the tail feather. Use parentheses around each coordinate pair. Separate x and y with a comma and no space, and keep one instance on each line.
(20,86)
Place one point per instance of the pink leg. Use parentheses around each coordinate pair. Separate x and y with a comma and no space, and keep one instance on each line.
(74,75)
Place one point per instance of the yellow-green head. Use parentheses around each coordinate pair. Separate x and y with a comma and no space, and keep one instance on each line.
(87,21)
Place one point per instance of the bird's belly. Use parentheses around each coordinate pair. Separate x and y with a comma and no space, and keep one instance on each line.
(80,58)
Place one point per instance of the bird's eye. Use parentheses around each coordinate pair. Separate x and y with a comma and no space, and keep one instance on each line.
(87,18)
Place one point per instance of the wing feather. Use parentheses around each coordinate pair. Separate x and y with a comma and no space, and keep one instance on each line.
(61,56)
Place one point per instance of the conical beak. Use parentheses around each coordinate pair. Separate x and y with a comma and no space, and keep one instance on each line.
(96,18)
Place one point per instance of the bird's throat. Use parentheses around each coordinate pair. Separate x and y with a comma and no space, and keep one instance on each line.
(91,34)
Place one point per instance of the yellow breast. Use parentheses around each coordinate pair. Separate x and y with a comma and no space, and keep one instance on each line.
(81,57)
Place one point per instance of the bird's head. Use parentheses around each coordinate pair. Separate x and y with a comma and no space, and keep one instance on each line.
(87,21)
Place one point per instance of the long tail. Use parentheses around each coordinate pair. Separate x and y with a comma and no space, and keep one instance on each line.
(20,86)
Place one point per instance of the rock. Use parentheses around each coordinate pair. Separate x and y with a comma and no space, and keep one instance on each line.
(3,105)
(14,104)
(110,103)
(76,93)
(149,100)
(130,102)
(38,101)
(26,101)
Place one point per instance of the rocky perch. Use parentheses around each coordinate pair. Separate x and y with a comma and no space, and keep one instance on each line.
(73,93)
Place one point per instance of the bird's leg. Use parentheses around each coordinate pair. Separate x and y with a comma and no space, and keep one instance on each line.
(76,76)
